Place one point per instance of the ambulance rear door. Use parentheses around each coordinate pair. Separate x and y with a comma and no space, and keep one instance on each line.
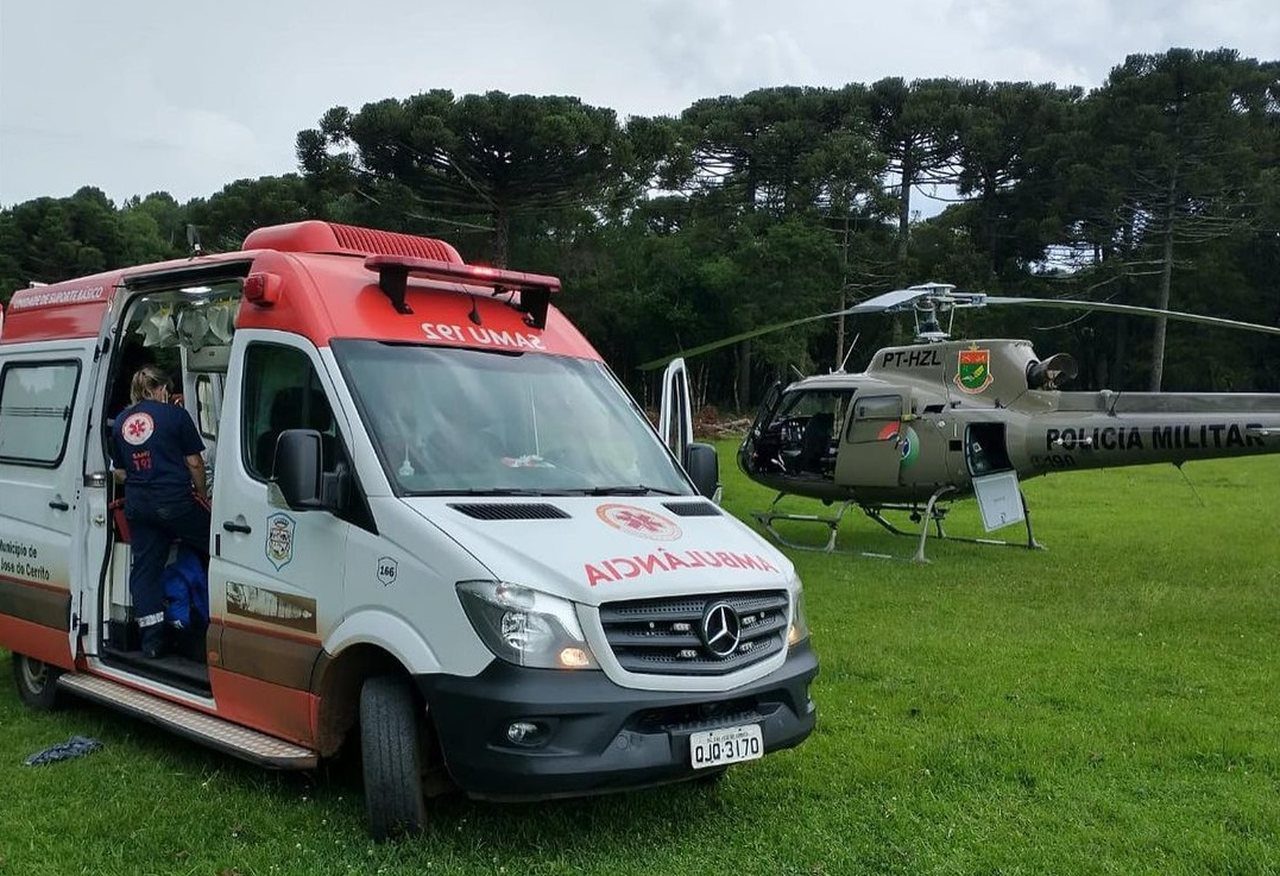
(44,407)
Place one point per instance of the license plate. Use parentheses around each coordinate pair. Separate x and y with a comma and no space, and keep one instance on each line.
(731,745)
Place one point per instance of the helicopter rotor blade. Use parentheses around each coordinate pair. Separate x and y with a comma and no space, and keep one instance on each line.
(733,339)
(898,299)
(1134,310)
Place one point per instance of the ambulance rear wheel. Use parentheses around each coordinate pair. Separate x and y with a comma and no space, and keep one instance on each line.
(391,751)
(37,682)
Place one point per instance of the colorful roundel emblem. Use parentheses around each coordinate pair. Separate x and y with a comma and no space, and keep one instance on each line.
(910,448)
(908,441)
(639,521)
(137,428)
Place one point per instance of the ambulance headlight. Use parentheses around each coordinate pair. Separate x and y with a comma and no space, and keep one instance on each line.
(799,623)
(526,627)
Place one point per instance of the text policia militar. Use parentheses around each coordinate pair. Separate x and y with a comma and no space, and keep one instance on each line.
(1173,437)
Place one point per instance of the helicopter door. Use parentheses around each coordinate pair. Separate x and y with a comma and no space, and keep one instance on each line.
(675,416)
(747,450)
(870,454)
(985,450)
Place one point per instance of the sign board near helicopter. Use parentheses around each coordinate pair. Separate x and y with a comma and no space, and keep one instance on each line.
(999,500)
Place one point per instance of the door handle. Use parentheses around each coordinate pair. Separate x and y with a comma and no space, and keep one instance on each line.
(232,526)
(59,505)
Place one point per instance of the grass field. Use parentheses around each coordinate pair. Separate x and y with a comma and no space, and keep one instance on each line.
(1110,705)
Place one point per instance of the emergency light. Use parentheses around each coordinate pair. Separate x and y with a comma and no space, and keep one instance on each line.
(394,272)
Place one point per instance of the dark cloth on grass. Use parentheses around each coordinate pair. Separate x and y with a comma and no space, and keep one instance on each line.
(76,746)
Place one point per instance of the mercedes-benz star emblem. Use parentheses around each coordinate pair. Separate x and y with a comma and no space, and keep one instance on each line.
(721,629)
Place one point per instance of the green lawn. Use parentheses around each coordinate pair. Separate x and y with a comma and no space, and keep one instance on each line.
(1107,706)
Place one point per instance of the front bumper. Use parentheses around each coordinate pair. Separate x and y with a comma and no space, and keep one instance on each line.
(599,737)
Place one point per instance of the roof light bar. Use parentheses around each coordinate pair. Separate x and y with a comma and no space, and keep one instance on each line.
(394,272)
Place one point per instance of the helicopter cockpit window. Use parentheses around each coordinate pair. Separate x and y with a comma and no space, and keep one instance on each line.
(802,435)
(871,415)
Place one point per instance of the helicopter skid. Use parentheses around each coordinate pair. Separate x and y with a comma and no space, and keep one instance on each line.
(934,514)
(832,523)
(931,514)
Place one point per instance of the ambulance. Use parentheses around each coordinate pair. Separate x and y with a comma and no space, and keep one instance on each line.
(442,531)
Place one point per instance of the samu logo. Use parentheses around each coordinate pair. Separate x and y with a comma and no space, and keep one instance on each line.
(638,521)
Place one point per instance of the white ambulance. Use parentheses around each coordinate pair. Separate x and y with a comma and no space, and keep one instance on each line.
(438,523)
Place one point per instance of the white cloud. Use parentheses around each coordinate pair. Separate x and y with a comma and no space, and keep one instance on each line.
(132,97)
(716,47)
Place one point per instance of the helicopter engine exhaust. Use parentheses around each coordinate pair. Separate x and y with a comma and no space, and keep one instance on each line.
(1060,367)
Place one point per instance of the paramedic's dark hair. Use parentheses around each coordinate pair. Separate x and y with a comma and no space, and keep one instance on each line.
(146,380)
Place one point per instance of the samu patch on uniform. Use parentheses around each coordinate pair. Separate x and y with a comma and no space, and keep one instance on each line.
(280,528)
(137,428)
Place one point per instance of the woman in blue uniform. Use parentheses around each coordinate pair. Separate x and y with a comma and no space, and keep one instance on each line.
(157,454)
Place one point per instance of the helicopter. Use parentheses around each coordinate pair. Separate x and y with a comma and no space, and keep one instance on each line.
(942,419)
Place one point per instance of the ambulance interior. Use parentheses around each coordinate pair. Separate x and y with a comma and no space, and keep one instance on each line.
(187,333)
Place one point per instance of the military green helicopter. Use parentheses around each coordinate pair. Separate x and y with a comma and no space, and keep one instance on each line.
(942,419)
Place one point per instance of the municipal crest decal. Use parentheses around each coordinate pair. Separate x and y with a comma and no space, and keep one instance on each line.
(280,540)
(973,370)
(639,521)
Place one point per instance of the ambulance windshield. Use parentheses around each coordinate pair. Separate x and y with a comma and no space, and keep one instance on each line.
(458,421)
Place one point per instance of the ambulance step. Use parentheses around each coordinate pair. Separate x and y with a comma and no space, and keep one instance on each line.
(214,732)
(171,669)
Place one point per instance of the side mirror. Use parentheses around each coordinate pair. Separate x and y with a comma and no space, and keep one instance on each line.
(299,468)
(703,466)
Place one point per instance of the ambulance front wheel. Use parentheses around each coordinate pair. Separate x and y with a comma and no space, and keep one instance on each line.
(37,682)
(391,750)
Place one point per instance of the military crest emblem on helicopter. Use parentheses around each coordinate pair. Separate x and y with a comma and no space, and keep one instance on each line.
(973,370)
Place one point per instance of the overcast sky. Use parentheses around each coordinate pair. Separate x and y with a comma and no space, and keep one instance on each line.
(135,97)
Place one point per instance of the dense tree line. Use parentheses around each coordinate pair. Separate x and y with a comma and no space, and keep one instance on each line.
(1161,188)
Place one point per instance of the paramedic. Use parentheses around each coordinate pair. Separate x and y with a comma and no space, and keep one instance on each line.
(157,454)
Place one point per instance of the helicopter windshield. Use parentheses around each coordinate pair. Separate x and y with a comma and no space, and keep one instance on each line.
(458,421)
(803,432)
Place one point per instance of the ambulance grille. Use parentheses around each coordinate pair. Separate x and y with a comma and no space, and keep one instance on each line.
(692,509)
(377,242)
(510,511)
(664,636)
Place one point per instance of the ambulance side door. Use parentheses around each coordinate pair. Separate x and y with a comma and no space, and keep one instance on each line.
(275,574)
(44,407)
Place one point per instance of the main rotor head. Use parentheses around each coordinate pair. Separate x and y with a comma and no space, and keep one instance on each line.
(929,304)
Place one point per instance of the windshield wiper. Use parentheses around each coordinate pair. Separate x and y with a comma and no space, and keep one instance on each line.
(627,490)
(486,492)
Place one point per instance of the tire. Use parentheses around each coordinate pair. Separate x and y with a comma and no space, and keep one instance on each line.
(391,751)
(37,683)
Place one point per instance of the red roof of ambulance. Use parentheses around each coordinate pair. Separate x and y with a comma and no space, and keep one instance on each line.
(326,292)
(314,236)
